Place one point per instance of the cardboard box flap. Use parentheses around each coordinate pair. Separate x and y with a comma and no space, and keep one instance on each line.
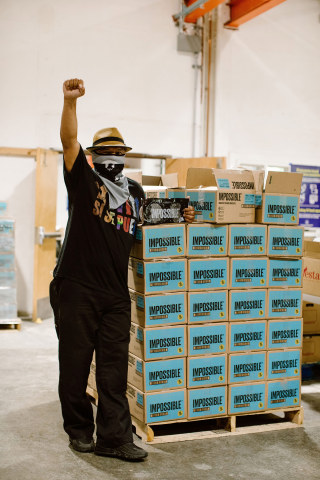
(311,249)
(200,177)
(133,174)
(234,179)
(284,182)
(166,180)
(258,178)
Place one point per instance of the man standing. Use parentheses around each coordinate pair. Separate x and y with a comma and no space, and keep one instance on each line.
(89,292)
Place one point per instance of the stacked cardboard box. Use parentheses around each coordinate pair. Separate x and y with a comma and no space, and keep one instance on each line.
(8,281)
(311,302)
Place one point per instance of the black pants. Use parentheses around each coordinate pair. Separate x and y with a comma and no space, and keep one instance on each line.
(85,321)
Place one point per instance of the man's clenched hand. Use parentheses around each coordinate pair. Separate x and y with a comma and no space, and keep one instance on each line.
(73,89)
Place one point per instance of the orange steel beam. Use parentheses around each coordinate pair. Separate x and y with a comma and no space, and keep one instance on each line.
(242,11)
(202,10)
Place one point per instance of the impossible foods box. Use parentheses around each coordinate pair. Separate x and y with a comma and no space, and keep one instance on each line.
(156,375)
(156,186)
(157,343)
(285,241)
(249,272)
(311,268)
(286,333)
(247,239)
(207,402)
(158,310)
(157,276)
(158,241)
(206,371)
(209,273)
(285,272)
(247,397)
(167,406)
(284,302)
(247,336)
(281,198)
(283,393)
(247,367)
(207,339)
(222,196)
(204,239)
(284,364)
(211,306)
(247,304)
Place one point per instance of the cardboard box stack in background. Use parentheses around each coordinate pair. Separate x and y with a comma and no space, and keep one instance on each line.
(311,302)
(8,281)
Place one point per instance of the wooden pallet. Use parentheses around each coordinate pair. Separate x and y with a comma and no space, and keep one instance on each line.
(10,324)
(256,422)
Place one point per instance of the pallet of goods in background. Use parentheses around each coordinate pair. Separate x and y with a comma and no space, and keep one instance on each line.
(8,276)
(216,311)
(311,311)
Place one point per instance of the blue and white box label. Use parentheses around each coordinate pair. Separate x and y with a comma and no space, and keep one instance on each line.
(162,310)
(163,407)
(249,272)
(247,336)
(165,276)
(284,364)
(284,303)
(285,333)
(207,402)
(207,306)
(164,374)
(285,241)
(247,398)
(282,394)
(207,239)
(165,343)
(208,274)
(247,240)
(204,204)
(281,209)
(205,371)
(247,304)
(207,339)
(249,367)
(285,273)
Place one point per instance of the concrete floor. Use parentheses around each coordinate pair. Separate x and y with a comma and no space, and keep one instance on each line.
(34,446)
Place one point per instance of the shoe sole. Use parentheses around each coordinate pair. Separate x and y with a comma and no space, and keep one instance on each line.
(81,450)
(116,455)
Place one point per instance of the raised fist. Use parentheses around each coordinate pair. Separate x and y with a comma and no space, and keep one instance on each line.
(73,88)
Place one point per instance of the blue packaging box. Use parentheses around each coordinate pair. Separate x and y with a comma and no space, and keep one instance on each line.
(167,406)
(207,240)
(176,193)
(284,303)
(284,364)
(248,272)
(7,261)
(159,241)
(285,272)
(247,336)
(207,402)
(281,209)
(249,397)
(283,393)
(206,307)
(286,333)
(159,276)
(247,304)
(206,371)
(157,343)
(247,239)
(210,273)
(158,310)
(285,241)
(156,375)
(247,367)
(207,339)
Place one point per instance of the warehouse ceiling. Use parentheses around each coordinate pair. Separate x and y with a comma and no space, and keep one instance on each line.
(241,11)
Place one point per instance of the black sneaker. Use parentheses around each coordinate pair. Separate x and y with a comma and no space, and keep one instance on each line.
(128,451)
(83,445)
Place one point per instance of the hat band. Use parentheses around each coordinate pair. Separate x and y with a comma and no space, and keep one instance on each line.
(108,139)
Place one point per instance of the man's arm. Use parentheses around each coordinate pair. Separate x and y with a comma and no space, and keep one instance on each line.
(72,90)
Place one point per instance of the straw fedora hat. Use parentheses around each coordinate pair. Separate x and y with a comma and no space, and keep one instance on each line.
(108,137)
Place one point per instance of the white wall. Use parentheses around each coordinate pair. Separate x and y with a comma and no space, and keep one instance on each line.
(125,50)
(267,99)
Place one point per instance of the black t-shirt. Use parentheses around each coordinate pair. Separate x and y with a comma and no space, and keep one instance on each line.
(98,240)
